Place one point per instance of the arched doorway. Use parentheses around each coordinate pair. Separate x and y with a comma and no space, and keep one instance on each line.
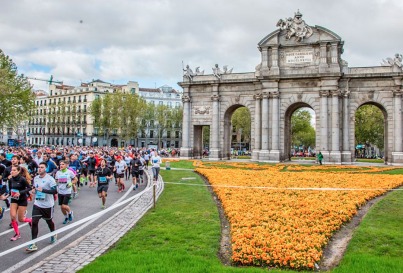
(201,141)
(237,131)
(300,132)
(370,133)
(114,142)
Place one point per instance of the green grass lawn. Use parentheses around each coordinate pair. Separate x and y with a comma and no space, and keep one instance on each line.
(183,233)
(377,245)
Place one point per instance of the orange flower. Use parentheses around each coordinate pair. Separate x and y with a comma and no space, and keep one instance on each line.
(284,219)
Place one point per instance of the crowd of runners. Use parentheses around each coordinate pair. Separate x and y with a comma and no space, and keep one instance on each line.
(50,175)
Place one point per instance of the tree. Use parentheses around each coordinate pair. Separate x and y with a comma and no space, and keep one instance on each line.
(369,126)
(241,122)
(16,97)
(302,132)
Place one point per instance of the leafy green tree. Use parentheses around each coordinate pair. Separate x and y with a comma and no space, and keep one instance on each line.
(16,97)
(302,132)
(369,126)
(241,122)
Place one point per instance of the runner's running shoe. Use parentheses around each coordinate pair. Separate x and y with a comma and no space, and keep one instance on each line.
(71,216)
(53,239)
(31,248)
(66,220)
(15,237)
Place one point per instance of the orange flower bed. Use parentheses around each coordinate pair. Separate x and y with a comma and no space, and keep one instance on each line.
(284,219)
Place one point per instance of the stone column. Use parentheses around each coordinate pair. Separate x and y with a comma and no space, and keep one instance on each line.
(335,154)
(323,147)
(275,151)
(397,155)
(258,127)
(346,153)
(334,53)
(215,151)
(186,151)
(397,101)
(264,153)
(274,69)
(265,60)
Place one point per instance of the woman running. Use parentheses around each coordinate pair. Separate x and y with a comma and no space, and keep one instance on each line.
(19,189)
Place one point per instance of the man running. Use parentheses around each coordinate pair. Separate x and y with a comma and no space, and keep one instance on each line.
(135,164)
(76,166)
(91,163)
(103,174)
(44,188)
(65,179)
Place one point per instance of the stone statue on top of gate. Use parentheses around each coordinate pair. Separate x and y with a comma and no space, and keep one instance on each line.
(295,27)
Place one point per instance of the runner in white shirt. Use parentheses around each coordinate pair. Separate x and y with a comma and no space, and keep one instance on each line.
(65,179)
(155,163)
(44,188)
(120,168)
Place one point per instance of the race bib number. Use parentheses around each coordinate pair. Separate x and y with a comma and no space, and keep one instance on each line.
(14,194)
(40,195)
(62,179)
(102,179)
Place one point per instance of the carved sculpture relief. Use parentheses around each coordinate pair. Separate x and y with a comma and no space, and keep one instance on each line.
(295,27)
(202,110)
(395,61)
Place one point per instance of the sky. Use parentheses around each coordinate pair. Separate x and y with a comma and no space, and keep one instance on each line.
(148,41)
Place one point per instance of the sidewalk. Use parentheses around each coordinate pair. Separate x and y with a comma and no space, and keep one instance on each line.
(96,242)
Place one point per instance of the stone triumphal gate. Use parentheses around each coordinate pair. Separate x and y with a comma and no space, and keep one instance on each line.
(301,66)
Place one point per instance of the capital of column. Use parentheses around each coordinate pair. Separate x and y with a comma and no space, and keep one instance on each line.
(215,97)
(324,93)
(335,93)
(257,96)
(397,93)
(275,95)
(265,95)
(185,99)
(345,93)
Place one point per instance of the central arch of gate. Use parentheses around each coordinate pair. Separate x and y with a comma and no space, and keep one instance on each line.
(301,65)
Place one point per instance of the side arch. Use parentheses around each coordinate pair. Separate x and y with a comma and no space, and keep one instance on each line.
(227,128)
(386,107)
(288,106)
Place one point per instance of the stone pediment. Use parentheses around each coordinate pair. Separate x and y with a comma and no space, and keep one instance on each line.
(297,48)
(319,35)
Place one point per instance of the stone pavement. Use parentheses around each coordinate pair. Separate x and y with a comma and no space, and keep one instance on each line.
(84,250)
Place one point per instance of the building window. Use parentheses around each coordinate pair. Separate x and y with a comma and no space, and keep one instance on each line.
(177,105)
(151,134)
(161,102)
(176,134)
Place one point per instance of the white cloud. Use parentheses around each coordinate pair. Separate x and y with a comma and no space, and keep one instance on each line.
(146,41)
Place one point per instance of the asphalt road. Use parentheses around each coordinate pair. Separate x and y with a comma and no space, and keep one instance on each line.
(83,207)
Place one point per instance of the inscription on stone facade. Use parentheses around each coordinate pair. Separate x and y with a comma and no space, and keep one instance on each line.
(297,57)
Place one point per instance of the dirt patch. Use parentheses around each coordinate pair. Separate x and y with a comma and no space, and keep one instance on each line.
(332,253)
(225,251)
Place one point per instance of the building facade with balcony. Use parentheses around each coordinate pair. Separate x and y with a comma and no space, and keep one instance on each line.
(170,138)
(61,116)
